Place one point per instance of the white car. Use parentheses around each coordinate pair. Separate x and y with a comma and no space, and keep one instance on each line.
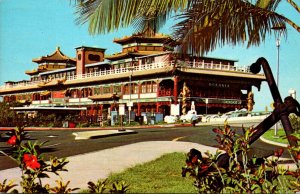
(170,119)
(188,117)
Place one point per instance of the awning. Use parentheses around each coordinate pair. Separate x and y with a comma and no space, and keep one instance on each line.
(52,108)
(24,101)
(100,97)
(45,93)
(41,84)
(65,91)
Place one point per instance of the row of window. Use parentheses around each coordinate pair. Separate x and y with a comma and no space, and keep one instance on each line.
(146,87)
(58,75)
(87,70)
(91,57)
(143,48)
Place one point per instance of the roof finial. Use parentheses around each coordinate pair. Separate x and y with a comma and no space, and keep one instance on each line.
(57,48)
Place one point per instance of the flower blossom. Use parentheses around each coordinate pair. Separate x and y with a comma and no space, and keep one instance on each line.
(12,140)
(31,161)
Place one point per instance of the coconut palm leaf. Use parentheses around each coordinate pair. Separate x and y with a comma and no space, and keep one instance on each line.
(294,5)
(202,24)
(108,15)
(207,24)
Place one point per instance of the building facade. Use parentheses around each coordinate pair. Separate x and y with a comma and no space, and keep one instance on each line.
(147,75)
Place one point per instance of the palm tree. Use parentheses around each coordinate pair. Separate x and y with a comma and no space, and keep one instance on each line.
(202,24)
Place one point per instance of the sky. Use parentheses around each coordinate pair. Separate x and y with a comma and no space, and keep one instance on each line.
(33,28)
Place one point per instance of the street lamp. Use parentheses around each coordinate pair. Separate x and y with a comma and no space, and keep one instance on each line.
(129,104)
(292,93)
(278,33)
(206,104)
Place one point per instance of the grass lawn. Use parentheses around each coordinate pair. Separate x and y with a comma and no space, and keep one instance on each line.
(269,135)
(160,176)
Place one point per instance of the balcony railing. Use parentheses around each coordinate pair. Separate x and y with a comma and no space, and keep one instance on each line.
(213,66)
(196,65)
(119,71)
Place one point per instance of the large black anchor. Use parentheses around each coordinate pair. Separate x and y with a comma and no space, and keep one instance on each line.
(281,111)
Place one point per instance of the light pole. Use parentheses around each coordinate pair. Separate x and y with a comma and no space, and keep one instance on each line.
(278,33)
(292,93)
(206,103)
(129,104)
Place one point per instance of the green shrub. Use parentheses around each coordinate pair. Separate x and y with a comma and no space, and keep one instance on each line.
(34,168)
(239,171)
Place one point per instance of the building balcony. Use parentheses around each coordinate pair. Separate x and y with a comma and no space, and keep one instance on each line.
(152,68)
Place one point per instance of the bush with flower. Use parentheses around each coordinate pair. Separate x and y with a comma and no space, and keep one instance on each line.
(34,168)
(236,170)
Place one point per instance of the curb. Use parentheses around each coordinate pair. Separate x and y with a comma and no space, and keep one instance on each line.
(100,134)
(273,142)
(96,128)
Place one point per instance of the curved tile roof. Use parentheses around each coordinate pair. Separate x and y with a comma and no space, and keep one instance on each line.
(57,55)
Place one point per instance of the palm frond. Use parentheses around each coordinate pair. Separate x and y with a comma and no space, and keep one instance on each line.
(267,4)
(208,24)
(107,15)
(294,5)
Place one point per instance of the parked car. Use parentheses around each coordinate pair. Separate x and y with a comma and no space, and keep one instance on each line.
(209,118)
(171,119)
(188,117)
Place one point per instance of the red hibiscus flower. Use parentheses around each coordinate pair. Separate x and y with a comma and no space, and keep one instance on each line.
(298,156)
(278,153)
(31,161)
(218,131)
(203,169)
(12,140)
(195,160)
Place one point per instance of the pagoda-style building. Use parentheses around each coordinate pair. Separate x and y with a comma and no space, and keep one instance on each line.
(147,75)
(54,61)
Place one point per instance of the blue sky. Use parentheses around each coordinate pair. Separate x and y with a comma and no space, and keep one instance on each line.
(33,28)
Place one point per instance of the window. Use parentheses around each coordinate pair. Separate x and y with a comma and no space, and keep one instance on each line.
(127,64)
(158,48)
(154,87)
(135,88)
(150,60)
(144,88)
(142,48)
(79,57)
(96,91)
(92,57)
(117,89)
(143,61)
(149,48)
(126,89)
(149,87)
(106,90)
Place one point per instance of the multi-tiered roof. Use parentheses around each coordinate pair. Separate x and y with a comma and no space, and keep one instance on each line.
(141,44)
(56,60)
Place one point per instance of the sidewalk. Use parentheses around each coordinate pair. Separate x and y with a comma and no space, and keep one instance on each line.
(99,165)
